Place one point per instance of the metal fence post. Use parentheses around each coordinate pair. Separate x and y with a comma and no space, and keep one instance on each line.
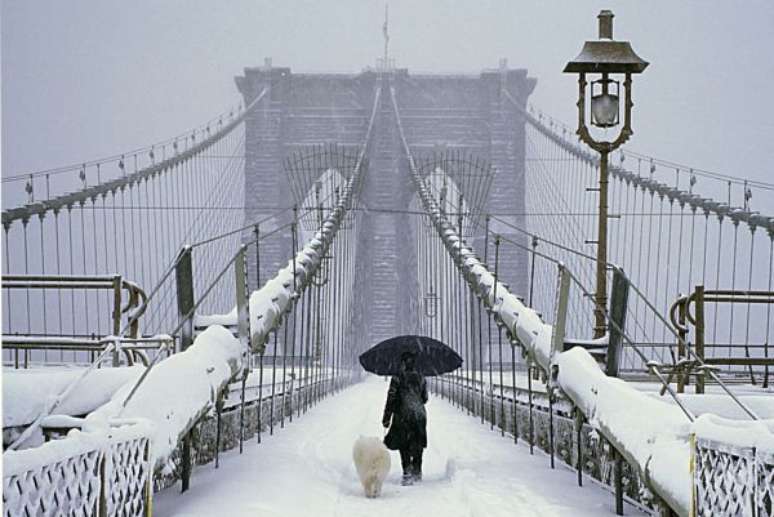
(618,480)
(185,304)
(116,314)
(579,438)
(682,329)
(557,346)
(243,325)
(619,298)
(560,319)
(699,317)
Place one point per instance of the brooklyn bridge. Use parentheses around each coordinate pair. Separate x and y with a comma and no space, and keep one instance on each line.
(182,322)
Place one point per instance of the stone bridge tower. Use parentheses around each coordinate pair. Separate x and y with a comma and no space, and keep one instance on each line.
(465,112)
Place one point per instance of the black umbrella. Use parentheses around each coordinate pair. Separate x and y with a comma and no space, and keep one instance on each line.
(432,356)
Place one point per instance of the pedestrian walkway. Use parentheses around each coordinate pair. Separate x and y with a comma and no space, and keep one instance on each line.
(306,469)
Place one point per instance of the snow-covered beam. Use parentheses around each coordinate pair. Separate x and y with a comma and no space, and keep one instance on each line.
(178,391)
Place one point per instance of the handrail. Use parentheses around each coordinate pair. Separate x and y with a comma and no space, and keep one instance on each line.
(136,303)
(714,296)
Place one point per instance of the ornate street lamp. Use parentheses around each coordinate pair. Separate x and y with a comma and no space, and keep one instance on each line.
(606,60)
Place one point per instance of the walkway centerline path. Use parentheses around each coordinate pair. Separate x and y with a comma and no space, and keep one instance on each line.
(306,469)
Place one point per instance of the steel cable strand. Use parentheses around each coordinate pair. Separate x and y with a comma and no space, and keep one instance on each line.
(733,287)
(717,279)
(552,224)
(767,341)
(749,288)
(556,194)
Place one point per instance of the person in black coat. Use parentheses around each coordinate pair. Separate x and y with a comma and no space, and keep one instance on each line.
(405,408)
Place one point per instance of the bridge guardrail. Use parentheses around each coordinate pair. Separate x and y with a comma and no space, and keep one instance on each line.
(685,317)
(731,480)
(96,473)
(133,305)
(554,428)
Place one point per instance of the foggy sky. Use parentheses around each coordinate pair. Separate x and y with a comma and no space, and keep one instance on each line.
(83,79)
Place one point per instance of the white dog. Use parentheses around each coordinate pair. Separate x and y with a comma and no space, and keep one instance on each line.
(372,461)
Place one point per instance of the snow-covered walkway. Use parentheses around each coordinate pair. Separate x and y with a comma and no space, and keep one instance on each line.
(306,469)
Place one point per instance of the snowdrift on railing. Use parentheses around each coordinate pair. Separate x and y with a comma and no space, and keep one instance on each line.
(25,392)
(77,442)
(179,389)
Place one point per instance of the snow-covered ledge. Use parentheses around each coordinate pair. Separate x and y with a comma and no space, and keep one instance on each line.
(179,390)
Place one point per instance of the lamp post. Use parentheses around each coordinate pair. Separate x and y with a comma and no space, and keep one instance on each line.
(607,60)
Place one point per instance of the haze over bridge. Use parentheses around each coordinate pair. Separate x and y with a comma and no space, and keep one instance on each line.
(331,211)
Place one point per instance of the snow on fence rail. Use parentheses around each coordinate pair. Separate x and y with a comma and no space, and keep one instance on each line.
(97,471)
(733,468)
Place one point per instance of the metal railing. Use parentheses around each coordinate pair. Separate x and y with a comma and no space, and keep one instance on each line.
(84,474)
(552,425)
(731,480)
(22,348)
(692,361)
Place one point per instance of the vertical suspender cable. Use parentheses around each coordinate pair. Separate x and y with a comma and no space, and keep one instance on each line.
(273,382)
(96,269)
(43,271)
(733,286)
(717,279)
(749,288)
(25,222)
(767,339)
(72,267)
(58,272)
(85,272)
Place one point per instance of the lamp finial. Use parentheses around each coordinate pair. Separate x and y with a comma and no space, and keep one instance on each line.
(605,24)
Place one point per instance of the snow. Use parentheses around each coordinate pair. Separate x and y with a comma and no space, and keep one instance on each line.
(25,392)
(62,421)
(759,434)
(723,405)
(178,389)
(306,469)
(653,433)
(77,442)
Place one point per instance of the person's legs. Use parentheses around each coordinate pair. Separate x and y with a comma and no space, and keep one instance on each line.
(406,463)
(416,463)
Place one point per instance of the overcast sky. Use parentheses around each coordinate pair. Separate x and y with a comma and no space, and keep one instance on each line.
(82,79)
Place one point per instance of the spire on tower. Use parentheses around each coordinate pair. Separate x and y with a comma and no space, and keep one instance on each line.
(384,31)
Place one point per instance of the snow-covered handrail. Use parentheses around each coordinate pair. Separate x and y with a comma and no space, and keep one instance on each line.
(653,435)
